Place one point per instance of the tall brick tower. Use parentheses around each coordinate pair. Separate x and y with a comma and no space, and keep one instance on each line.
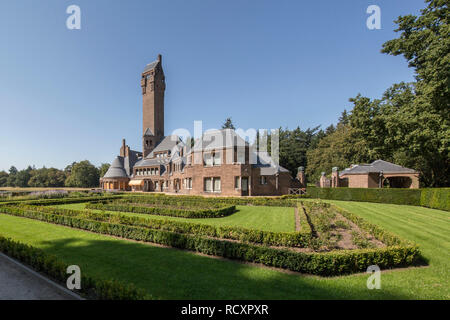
(153,87)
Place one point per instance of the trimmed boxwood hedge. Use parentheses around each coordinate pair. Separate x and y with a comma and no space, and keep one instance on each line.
(394,196)
(436,198)
(324,264)
(201,200)
(60,201)
(289,239)
(56,269)
(185,213)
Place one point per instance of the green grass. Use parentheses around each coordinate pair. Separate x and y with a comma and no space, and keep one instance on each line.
(174,274)
(277,219)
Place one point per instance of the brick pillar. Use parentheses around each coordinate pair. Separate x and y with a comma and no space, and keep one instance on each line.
(323,179)
(301,176)
(335,177)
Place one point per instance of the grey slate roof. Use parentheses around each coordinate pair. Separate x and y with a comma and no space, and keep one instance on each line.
(168,143)
(267,165)
(150,66)
(376,167)
(151,162)
(218,139)
(130,161)
(148,132)
(116,170)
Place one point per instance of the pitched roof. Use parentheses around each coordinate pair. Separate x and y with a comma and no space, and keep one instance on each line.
(148,132)
(267,165)
(150,66)
(377,166)
(218,139)
(116,170)
(168,143)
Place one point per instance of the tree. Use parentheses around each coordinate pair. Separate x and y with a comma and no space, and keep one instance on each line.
(22,177)
(83,175)
(339,149)
(47,178)
(103,168)
(425,44)
(424,138)
(3,178)
(228,124)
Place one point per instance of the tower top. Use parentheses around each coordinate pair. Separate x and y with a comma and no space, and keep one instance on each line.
(152,65)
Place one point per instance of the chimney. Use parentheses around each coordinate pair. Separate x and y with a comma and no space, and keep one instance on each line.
(301,176)
(335,177)
(159,58)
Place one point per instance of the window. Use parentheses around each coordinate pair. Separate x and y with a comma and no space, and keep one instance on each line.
(237,182)
(212,185)
(208,185)
(240,155)
(216,185)
(217,159)
(187,182)
(263,180)
(207,159)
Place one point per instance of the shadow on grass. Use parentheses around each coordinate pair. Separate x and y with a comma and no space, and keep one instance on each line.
(168,273)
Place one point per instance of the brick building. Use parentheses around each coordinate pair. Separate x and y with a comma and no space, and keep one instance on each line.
(218,163)
(377,174)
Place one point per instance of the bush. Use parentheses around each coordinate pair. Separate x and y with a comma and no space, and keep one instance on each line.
(200,200)
(325,264)
(289,239)
(185,213)
(394,196)
(436,198)
(56,269)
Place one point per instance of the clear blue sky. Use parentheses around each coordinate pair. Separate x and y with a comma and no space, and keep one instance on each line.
(69,95)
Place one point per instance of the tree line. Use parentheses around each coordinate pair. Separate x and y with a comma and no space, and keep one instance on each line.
(409,125)
(81,174)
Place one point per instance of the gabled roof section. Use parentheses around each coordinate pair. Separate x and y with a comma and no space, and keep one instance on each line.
(130,161)
(116,170)
(376,167)
(267,165)
(150,66)
(168,144)
(148,132)
(219,139)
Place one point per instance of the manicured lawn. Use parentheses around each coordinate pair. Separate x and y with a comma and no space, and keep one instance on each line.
(174,274)
(262,218)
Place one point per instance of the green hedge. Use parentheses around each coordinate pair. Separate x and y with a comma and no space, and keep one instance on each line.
(60,201)
(325,264)
(201,200)
(436,198)
(185,213)
(288,239)
(394,196)
(93,288)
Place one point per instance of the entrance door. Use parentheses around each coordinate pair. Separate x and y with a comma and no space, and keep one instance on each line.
(244,186)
